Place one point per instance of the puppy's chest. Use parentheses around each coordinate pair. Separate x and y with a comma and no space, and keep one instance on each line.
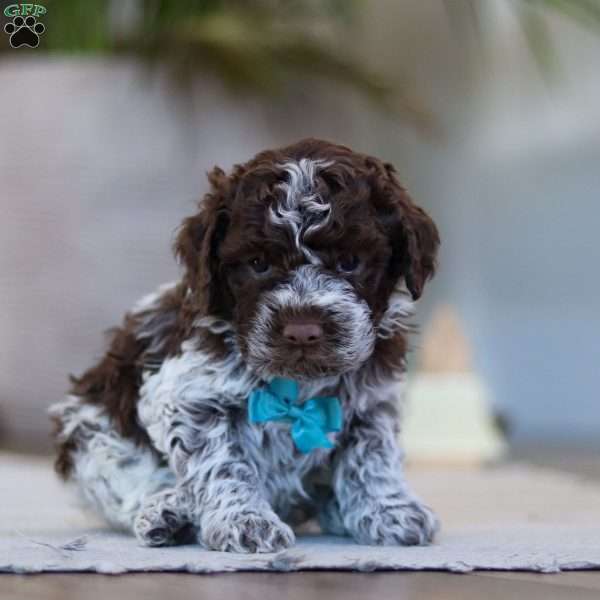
(191,392)
(166,414)
(271,447)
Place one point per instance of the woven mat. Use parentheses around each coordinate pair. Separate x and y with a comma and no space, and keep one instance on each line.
(505,518)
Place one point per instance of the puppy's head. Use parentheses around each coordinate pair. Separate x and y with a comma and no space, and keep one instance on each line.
(310,252)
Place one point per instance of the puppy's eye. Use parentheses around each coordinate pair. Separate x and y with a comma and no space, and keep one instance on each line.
(347,263)
(259,265)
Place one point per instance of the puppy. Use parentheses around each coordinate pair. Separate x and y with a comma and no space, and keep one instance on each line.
(300,270)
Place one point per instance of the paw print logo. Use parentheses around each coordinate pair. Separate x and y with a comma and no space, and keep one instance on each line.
(24,32)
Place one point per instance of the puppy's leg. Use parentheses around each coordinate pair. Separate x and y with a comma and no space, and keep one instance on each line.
(372,499)
(113,474)
(222,485)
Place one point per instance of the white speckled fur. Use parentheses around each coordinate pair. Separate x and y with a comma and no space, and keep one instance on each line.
(301,209)
(113,474)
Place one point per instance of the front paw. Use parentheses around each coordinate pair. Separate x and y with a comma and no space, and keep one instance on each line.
(407,523)
(246,531)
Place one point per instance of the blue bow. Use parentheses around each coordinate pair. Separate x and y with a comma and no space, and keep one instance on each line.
(310,421)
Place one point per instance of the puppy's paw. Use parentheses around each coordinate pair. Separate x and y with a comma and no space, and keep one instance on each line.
(248,532)
(403,524)
(160,522)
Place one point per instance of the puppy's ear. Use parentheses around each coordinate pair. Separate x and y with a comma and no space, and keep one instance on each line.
(197,243)
(413,235)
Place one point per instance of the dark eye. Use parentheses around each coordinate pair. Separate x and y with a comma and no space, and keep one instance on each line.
(348,263)
(259,265)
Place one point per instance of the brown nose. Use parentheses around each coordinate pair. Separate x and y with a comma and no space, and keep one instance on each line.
(303,333)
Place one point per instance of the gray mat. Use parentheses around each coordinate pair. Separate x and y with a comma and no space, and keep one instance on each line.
(502,519)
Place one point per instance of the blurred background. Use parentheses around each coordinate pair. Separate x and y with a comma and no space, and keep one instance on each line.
(489,110)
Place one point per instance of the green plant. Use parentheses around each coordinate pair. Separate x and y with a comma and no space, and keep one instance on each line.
(263,46)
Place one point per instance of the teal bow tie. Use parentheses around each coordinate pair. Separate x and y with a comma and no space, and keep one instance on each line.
(310,421)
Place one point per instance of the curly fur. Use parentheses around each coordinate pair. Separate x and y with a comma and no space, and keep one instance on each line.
(156,435)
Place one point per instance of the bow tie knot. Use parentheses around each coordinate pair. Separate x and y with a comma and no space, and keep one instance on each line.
(310,421)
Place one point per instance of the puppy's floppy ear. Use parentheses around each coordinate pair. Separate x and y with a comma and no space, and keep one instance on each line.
(413,235)
(197,242)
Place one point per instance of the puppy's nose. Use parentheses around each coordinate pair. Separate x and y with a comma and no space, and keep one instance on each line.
(303,333)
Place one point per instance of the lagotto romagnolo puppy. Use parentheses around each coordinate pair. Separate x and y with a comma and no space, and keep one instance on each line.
(301,264)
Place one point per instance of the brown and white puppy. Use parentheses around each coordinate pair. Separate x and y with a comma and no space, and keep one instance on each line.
(302,263)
